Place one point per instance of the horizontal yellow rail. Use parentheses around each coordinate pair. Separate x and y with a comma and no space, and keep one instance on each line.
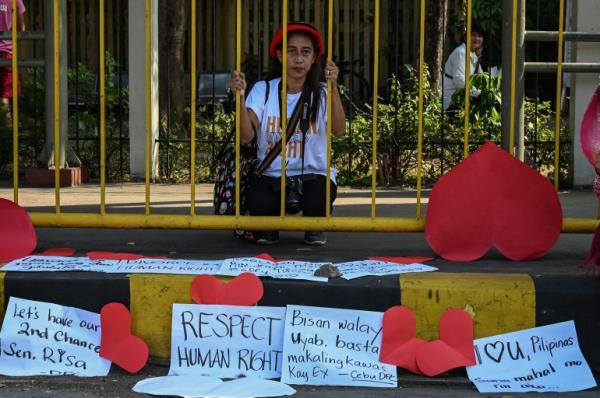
(341,224)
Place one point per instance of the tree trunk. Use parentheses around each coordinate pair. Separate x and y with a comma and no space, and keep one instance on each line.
(436,17)
(172,29)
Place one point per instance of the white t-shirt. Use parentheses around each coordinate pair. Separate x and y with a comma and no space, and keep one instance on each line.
(269,132)
(454,72)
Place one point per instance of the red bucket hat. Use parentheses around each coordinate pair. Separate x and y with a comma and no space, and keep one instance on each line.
(297,27)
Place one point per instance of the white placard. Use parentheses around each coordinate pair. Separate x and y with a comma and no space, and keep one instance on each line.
(357,269)
(204,386)
(168,266)
(226,341)
(279,270)
(47,339)
(139,266)
(58,263)
(543,359)
(336,347)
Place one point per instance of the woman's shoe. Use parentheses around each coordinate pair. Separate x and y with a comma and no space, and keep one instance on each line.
(315,238)
(267,237)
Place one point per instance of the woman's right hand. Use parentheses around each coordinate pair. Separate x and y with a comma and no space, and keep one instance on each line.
(238,82)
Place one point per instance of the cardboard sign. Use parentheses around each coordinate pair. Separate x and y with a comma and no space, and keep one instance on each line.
(327,346)
(357,269)
(226,341)
(47,339)
(280,270)
(543,359)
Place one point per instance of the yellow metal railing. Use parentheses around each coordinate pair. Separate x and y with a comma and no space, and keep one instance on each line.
(237,221)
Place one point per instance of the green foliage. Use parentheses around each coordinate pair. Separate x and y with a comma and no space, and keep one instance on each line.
(212,129)
(84,119)
(443,134)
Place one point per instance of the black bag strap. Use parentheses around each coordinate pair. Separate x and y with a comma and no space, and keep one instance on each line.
(302,104)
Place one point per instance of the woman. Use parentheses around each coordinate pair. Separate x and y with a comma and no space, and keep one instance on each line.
(454,69)
(306,156)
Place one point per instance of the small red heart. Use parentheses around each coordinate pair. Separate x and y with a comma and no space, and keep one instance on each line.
(17,235)
(58,251)
(117,344)
(244,289)
(399,345)
(491,198)
(453,349)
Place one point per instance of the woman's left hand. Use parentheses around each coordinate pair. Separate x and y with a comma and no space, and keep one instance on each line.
(331,72)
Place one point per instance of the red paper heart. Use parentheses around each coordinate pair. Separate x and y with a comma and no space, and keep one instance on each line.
(590,128)
(58,251)
(117,344)
(17,235)
(399,345)
(403,260)
(244,289)
(491,198)
(453,349)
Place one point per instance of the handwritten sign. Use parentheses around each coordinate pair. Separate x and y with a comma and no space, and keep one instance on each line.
(357,269)
(326,346)
(47,339)
(139,266)
(226,341)
(279,270)
(168,266)
(543,359)
(57,263)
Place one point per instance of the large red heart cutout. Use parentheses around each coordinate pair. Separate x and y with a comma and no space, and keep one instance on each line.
(590,128)
(453,349)
(399,345)
(491,198)
(244,289)
(17,235)
(117,344)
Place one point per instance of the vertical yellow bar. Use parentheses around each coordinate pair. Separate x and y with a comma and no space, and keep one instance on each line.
(467,78)
(238,103)
(57,33)
(513,80)
(193,107)
(420,117)
(284,105)
(329,89)
(375,102)
(148,25)
(102,80)
(15,104)
(559,69)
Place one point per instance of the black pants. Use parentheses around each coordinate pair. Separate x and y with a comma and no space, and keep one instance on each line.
(264,196)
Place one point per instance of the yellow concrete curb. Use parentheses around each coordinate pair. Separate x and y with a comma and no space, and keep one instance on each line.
(151,304)
(499,303)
